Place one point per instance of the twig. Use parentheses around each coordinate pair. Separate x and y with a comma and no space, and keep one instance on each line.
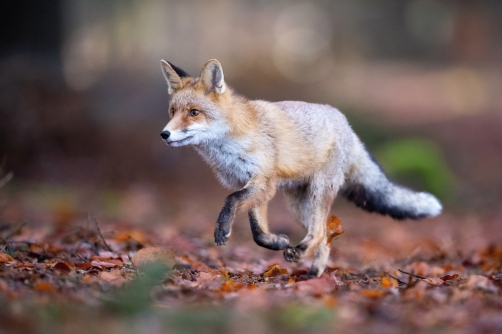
(99,233)
(397,279)
(418,276)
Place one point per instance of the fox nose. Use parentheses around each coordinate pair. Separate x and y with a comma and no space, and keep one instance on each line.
(165,134)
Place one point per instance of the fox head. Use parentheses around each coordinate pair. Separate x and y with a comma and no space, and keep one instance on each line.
(195,109)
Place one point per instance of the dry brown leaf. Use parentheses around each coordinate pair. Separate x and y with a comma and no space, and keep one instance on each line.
(5,258)
(62,268)
(230,286)
(299,272)
(104,264)
(83,266)
(449,277)
(389,282)
(107,258)
(135,235)
(199,266)
(334,227)
(433,281)
(113,276)
(372,293)
(44,286)
(25,266)
(275,270)
(151,255)
(37,249)
(88,278)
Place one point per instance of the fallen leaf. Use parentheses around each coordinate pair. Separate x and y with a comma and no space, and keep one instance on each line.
(83,266)
(44,286)
(88,278)
(275,270)
(103,264)
(153,255)
(135,235)
(230,286)
(113,276)
(199,266)
(5,258)
(334,227)
(300,272)
(61,268)
(389,282)
(372,293)
(37,249)
(434,281)
(109,258)
(449,277)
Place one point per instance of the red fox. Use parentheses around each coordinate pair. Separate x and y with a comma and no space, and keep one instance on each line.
(308,151)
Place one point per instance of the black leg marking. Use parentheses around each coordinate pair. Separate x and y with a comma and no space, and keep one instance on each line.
(313,272)
(226,217)
(267,240)
(294,254)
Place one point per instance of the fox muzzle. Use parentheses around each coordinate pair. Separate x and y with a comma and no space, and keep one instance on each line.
(165,134)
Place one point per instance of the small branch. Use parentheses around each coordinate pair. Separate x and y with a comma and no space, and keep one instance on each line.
(418,276)
(101,235)
(398,280)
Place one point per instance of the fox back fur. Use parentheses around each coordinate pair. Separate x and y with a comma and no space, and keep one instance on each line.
(307,151)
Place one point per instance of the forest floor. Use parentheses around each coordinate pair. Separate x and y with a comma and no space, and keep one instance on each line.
(63,270)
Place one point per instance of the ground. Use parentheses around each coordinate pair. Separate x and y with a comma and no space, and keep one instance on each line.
(66,270)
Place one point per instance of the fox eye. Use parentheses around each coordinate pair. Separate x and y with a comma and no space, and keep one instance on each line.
(193,112)
(172,110)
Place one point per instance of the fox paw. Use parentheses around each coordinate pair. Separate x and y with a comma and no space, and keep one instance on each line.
(282,242)
(221,236)
(291,254)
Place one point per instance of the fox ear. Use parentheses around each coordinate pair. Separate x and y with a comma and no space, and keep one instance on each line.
(172,76)
(212,77)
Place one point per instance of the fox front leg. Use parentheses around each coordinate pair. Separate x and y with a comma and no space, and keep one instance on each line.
(257,191)
(226,217)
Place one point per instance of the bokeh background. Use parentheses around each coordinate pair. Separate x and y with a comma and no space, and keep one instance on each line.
(83,100)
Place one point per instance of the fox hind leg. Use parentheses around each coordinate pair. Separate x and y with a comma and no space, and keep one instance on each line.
(320,259)
(311,207)
(259,228)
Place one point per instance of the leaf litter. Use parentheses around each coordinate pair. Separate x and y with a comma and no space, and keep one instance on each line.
(128,271)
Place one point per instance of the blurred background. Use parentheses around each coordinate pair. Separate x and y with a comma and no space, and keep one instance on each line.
(83,100)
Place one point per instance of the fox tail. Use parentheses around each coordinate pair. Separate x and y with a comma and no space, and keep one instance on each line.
(367,186)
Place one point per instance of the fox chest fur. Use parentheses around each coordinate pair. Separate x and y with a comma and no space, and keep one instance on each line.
(231,160)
